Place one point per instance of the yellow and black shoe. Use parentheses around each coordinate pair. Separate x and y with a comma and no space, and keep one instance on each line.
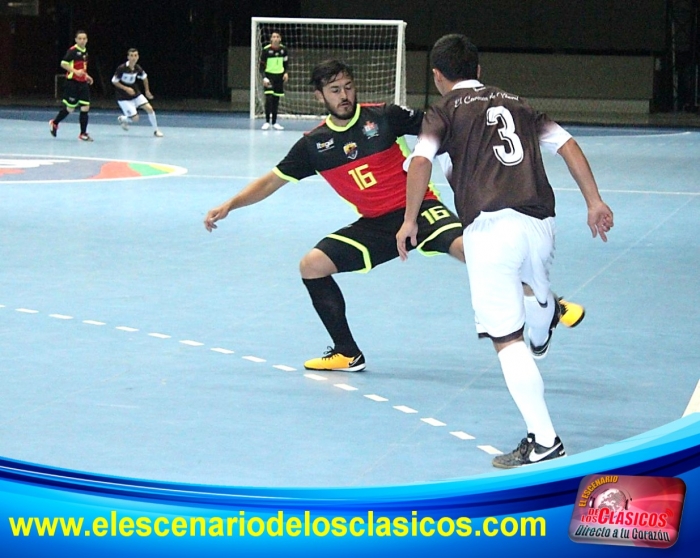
(333,361)
(572,314)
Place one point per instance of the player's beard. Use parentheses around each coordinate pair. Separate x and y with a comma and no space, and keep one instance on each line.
(347,116)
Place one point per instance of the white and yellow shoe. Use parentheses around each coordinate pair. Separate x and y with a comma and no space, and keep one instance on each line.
(571,313)
(333,361)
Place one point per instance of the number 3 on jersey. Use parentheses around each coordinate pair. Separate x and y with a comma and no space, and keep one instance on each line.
(362,177)
(512,153)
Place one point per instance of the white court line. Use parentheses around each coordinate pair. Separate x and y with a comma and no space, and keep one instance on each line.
(345,387)
(433,422)
(694,403)
(490,450)
(462,435)
(254,359)
(404,409)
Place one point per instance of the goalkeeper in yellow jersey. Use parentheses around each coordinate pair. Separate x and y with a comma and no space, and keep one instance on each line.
(274,65)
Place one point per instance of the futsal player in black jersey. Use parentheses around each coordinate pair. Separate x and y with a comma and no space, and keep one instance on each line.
(359,151)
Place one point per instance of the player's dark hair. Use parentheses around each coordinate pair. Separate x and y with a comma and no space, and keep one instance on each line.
(132,50)
(79,31)
(327,71)
(455,57)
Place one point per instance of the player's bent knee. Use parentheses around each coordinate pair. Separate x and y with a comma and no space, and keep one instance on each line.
(315,264)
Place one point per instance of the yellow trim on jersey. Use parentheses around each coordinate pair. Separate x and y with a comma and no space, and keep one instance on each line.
(284,176)
(435,235)
(350,124)
(403,145)
(363,249)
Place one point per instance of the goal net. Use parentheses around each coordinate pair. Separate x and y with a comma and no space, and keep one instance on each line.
(375,49)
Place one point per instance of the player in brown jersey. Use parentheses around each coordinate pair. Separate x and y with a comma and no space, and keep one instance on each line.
(76,92)
(506,205)
(358,151)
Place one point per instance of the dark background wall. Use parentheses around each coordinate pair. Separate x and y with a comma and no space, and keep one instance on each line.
(558,25)
(185,42)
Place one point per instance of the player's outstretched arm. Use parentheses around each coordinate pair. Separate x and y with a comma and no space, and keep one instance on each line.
(254,192)
(600,216)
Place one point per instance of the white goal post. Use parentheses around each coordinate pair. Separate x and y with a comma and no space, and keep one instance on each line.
(375,48)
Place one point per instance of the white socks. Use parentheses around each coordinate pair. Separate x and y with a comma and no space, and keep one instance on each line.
(152,120)
(538,319)
(527,390)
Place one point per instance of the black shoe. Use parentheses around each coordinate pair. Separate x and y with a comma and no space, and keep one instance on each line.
(528,453)
(53,128)
(540,351)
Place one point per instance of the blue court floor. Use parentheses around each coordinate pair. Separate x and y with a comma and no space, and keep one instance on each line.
(134,343)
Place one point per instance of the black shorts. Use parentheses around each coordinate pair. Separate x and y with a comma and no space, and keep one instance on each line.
(276,84)
(369,242)
(76,93)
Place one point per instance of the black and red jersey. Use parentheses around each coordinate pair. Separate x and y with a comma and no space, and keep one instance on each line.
(77,57)
(362,161)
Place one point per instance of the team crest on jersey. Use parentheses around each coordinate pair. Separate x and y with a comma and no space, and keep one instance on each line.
(322,146)
(370,129)
(350,150)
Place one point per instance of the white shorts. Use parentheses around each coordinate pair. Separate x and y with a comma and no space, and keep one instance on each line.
(129,107)
(503,250)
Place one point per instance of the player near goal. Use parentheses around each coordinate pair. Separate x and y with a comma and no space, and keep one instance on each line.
(358,151)
(130,98)
(274,61)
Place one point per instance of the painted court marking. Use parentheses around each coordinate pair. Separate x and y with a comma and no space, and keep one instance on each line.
(316,377)
(254,359)
(405,409)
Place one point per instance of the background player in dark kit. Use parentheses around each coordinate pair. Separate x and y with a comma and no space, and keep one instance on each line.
(130,97)
(76,92)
